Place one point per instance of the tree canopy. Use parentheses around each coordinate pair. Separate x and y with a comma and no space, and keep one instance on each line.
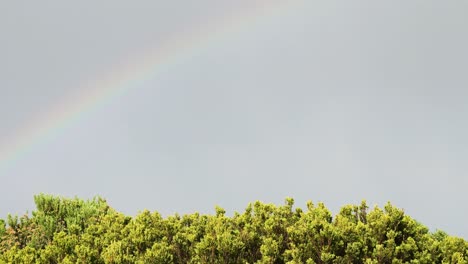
(63,230)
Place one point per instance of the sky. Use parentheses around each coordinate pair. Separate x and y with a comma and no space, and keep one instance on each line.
(178,107)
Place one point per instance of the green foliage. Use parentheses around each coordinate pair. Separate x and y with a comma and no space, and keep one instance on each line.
(64,230)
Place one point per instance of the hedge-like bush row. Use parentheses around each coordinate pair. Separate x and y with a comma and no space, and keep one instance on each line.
(65,230)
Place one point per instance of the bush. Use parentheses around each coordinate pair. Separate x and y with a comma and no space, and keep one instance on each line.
(65,230)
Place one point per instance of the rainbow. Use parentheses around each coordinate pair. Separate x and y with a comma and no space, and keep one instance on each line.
(96,93)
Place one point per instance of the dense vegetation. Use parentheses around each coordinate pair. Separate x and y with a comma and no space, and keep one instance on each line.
(64,230)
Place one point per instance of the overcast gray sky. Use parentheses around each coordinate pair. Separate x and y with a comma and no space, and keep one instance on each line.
(332,101)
